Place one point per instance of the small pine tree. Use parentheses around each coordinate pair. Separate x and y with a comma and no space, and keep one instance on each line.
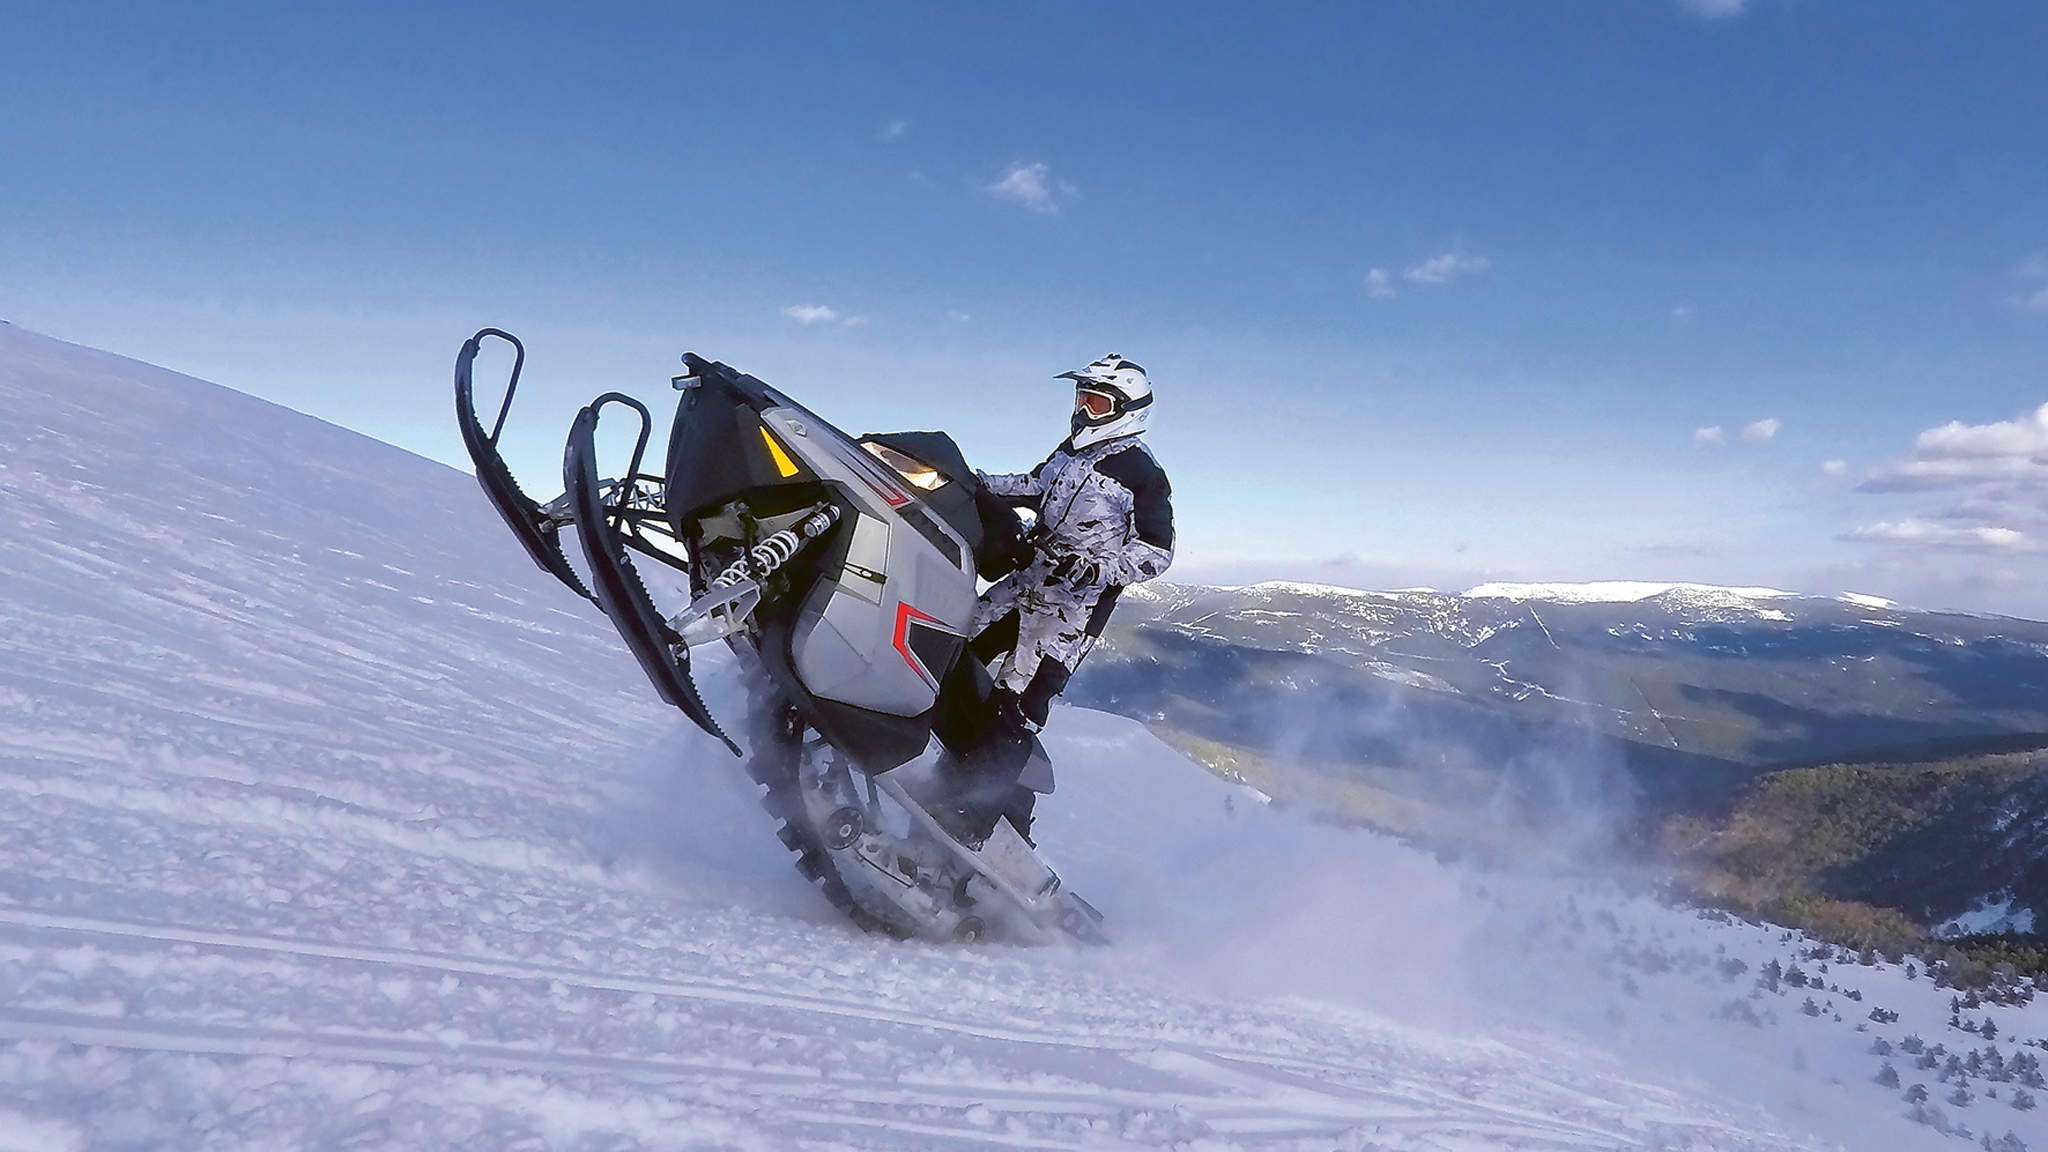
(1917,1094)
(1930,1115)
(1989,1031)
(1880,1047)
(1810,1008)
(1888,1076)
(1961,1097)
(1912,1045)
(2023,1100)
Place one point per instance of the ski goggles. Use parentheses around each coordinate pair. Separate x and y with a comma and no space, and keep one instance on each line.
(1093,403)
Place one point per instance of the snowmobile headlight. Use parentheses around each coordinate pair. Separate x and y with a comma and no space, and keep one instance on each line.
(914,472)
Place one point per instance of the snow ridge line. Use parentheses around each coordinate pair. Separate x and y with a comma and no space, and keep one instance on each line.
(1243,1102)
(213,1040)
(19,917)
(1332,1092)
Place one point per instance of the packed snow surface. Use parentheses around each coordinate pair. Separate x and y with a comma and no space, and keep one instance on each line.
(329,822)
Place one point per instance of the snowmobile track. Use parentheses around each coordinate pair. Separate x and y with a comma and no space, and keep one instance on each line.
(777,776)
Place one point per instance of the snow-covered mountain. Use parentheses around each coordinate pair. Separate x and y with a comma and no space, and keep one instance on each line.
(332,823)
(1676,682)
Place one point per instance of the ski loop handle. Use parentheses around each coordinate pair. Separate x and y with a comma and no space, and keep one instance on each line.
(469,350)
(625,488)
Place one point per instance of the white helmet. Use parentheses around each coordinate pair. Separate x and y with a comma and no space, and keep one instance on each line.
(1112,398)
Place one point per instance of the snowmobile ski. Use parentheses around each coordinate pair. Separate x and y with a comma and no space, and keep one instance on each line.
(603,530)
(536,531)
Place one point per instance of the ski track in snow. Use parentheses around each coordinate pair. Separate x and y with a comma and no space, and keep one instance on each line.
(325,820)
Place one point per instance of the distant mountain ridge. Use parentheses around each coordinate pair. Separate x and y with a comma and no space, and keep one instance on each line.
(1678,692)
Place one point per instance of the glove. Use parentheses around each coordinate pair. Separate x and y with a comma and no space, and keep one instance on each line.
(1075,570)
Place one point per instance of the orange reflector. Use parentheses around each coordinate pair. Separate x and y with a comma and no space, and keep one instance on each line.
(784,466)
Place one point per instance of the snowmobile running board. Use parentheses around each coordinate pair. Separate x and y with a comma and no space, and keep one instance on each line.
(1050,911)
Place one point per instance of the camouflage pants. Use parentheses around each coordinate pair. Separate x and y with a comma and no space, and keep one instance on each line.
(1052,620)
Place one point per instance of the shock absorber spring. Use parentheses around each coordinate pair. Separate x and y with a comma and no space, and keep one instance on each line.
(764,558)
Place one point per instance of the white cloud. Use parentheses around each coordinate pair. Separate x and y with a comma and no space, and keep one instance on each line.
(1683,313)
(1980,486)
(1715,9)
(809,314)
(1835,467)
(1446,268)
(1378,284)
(893,130)
(2037,302)
(2025,436)
(1754,432)
(1030,186)
(1925,533)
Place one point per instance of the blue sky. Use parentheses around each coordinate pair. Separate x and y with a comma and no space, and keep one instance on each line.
(1430,292)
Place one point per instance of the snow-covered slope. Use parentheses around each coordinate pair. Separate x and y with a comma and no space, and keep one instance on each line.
(328,822)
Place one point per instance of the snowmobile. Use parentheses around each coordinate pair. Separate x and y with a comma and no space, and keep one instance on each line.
(841,572)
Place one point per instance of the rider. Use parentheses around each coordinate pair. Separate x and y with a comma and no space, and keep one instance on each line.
(1104,521)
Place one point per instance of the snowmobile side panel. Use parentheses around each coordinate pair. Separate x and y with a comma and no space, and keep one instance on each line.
(619,592)
(852,642)
(535,531)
